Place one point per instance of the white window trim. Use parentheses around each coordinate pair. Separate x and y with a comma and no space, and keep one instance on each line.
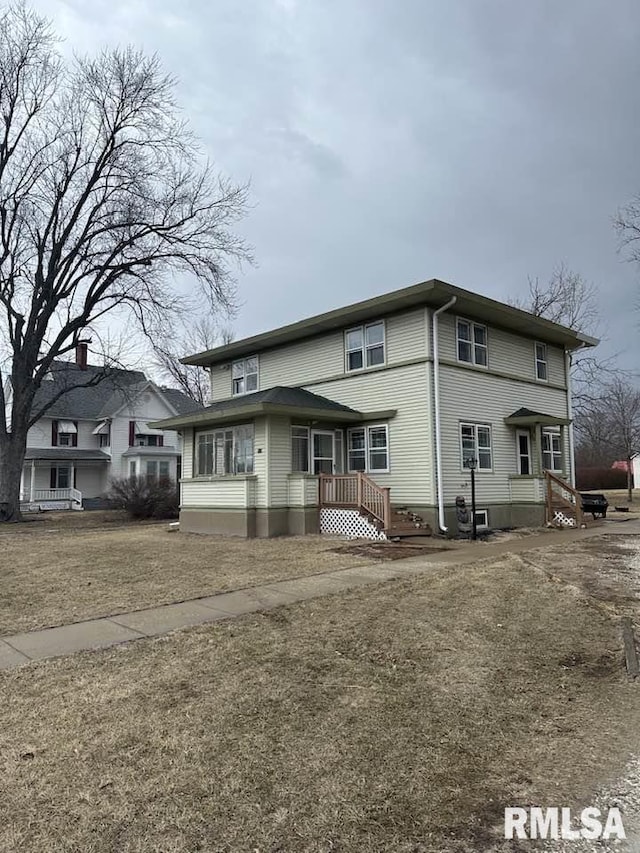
(475,426)
(526,433)
(551,433)
(367,469)
(363,328)
(244,375)
(482,525)
(196,455)
(308,432)
(537,361)
(472,342)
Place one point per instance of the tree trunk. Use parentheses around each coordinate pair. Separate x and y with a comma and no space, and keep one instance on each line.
(12,451)
(629,481)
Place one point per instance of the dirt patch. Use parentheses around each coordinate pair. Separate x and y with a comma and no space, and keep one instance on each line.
(388,551)
(604,568)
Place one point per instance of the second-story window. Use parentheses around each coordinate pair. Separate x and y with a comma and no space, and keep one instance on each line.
(244,375)
(541,362)
(471,342)
(364,346)
(64,434)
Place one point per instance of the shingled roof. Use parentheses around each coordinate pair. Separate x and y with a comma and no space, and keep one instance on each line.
(102,399)
(279,400)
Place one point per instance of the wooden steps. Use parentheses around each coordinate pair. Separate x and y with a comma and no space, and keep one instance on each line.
(405,523)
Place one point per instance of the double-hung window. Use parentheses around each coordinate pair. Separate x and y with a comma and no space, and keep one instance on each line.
(551,451)
(244,375)
(471,341)
(368,449)
(475,443)
(364,346)
(225,451)
(300,449)
(541,362)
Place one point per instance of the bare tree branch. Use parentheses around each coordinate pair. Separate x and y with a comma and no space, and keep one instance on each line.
(193,381)
(104,201)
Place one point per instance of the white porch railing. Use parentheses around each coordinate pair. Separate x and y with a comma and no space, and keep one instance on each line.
(54,495)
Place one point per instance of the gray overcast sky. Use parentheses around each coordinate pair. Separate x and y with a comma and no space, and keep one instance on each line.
(392,141)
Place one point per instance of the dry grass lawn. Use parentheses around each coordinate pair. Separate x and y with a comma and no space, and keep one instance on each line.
(64,569)
(402,718)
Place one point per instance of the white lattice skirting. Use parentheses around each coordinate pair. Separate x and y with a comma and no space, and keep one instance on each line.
(348,522)
(563,520)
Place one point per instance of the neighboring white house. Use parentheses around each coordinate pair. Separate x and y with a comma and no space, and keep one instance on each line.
(92,434)
(333,421)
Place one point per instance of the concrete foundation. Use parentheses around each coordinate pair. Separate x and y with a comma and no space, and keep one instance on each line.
(263,523)
(500,516)
(266,523)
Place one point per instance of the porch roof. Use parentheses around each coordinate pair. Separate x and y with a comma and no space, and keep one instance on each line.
(66,453)
(526,417)
(280,400)
(143,450)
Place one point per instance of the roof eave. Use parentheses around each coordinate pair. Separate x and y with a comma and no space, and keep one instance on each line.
(237,413)
(533,420)
(432,293)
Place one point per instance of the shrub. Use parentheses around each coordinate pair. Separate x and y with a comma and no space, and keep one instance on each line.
(592,479)
(143,497)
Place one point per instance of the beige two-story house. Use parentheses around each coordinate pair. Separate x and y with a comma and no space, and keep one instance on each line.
(329,423)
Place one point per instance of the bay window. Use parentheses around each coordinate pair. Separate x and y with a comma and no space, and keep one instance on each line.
(157,469)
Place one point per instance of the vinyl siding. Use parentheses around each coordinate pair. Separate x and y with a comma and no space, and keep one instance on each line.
(235,492)
(487,399)
(407,390)
(506,353)
(279,461)
(187,453)
(319,358)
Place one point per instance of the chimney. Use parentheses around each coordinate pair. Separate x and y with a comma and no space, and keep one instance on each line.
(81,354)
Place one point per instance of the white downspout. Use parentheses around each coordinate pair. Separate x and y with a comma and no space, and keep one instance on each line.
(436,405)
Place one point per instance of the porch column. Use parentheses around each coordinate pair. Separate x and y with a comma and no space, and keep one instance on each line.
(537,451)
(32,488)
(72,475)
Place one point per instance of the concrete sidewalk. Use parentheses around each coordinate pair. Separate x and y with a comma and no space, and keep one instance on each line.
(108,631)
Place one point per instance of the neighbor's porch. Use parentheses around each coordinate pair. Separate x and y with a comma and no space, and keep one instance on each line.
(62,478)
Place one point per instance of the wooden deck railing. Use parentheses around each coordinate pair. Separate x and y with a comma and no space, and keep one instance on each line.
(357,491)
(560,494)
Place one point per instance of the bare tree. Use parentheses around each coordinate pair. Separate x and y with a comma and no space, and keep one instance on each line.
(104,201)
(566,299)
(569,300)
(612,422)
(193,381)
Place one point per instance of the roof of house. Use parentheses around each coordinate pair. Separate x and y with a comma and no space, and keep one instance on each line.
(527,417)
(112,388)
(277,400)
(434,293)
(66,453)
